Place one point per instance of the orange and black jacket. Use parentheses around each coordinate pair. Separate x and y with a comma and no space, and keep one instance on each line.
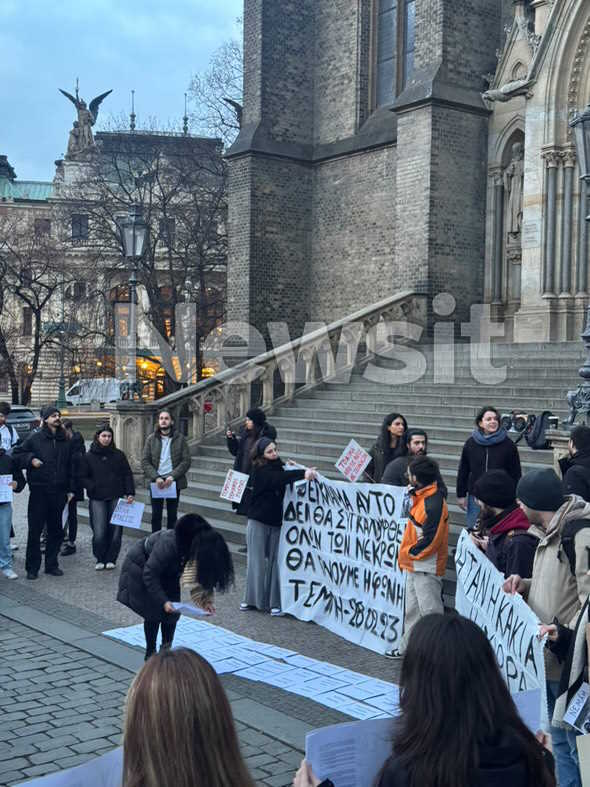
(426,538)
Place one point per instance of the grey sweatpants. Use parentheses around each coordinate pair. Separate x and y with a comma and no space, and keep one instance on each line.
(262,576)
(423,597)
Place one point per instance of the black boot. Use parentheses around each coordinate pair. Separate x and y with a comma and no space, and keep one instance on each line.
(149,654)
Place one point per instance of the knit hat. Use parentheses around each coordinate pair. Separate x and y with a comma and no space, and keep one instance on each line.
(4,408)
(257,416)
(541,490)
(48,410)
(496,489)
(262,445)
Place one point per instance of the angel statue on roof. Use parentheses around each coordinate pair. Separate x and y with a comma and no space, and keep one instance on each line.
(81,133)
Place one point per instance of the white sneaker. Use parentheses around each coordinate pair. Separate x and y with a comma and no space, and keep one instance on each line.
(99,567)
(9,573)
(14,547)
(276,612)
(109,566)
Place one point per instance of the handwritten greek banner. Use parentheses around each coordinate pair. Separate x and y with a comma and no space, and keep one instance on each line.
(508,622)
(338,559)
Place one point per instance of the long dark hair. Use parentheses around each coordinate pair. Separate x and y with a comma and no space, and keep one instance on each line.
(215,568)
(187,529)
(449,663)
(104,428)
(384,438)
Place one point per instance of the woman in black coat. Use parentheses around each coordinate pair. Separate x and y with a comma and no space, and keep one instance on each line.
(390,445)
(106,475)
(488,448)
(449,664)
(265,517)
(150,576)
(242,445)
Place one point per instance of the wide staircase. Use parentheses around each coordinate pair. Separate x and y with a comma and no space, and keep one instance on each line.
(316,420)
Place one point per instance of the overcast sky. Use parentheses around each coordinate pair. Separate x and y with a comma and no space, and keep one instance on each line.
(148,45)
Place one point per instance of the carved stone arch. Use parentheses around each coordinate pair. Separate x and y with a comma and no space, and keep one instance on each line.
(512,131)
(568,66)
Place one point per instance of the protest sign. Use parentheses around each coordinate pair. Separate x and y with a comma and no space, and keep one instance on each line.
(509,624)
(128,514)
(353,461)
(578,711)
(338,559)
(234,486)
(166,491)
(6,489)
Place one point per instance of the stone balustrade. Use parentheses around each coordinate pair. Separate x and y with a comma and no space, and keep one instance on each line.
(270,379)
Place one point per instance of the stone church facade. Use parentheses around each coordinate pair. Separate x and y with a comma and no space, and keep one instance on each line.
(423,144)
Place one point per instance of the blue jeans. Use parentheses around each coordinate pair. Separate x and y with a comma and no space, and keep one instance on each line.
(5,525)
(564,745)
(472,511)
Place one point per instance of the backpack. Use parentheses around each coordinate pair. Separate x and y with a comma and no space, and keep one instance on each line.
(568,544)
(536,430)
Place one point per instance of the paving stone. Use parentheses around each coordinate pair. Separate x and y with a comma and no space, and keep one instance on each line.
(77,759)
(13,764)
(13,777)
(42,770)
(50,756)
(258,760)
(94,745)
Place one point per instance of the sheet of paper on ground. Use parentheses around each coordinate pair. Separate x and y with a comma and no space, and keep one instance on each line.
(234,486)
(353,461)
(164,492)
(338,559)
(128,514)
(510,625)
(350,754)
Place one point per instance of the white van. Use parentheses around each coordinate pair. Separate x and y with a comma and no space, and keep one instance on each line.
(100,389)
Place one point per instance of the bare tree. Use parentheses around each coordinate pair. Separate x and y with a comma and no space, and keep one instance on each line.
(216,94)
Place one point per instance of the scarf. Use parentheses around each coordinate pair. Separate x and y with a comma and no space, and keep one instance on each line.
(489,439)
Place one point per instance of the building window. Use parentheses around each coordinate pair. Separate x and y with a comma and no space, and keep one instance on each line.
(79,226)
(168,232)
(42,227)
(27,321)
(393,42)
(77,291)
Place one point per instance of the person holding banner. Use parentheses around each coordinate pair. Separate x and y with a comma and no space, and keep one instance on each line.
(559,585)
(265,518)
(11,480)
(424,549)
(390,444)
(179,728)
(107,476)
(488,448)
(150,576)
(450,665)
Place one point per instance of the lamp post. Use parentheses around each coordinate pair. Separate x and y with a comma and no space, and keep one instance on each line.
(133,235)
(579,400)
(61,391)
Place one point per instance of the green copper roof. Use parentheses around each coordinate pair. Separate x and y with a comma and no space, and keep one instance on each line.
(26,190)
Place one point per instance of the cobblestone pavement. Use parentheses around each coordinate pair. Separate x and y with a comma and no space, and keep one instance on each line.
(62,685)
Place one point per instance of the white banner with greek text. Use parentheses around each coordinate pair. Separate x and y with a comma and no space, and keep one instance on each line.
(338,559)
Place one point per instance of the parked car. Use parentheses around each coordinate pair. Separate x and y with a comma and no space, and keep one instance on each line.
(23,419)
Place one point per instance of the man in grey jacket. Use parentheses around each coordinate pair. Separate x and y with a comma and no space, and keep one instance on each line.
(166,460)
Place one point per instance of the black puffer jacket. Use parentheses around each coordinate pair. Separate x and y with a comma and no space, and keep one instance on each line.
(576,474)
(502,764)
(477,459)
(150,576)
(268,489)
(56,474)
(241,445)
(10,466)
(106,473)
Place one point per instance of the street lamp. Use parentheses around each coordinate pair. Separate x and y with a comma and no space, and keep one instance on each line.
(579,400)
(133,235)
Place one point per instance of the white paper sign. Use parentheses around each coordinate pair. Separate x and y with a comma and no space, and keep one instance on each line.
(353,461)
(508,622)
(189,609)
(128,514)
(350,754)
(234,486)
(578,712)
(6,489)
(167,491)
(338,559)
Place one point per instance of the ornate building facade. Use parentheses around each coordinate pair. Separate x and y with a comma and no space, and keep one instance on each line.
(424,144)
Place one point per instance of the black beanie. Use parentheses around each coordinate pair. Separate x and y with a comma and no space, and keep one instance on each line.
(496,489)
(541,490)
(257,416)
(4,408)
(47,410)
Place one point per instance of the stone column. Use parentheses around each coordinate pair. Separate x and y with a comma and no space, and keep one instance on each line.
(582,261)
(552,159)
(569,163)
(498,239)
